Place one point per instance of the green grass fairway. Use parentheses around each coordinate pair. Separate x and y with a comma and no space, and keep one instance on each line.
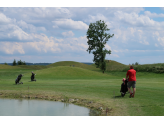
(85,82)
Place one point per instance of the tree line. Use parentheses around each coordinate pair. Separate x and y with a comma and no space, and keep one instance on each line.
(18,63)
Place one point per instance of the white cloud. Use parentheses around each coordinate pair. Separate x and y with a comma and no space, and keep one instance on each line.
(39,12)
(70,24)
(161,41)
(107,47)
(14,32)
(135,19)
(156,45)
(162,8)
(156,33)
(123,34)
(55,26)
(97,17)
(132,31)
(114,55)
(41,43)
(126,9)
(11,31)
(121,50)
(140,31)
(11,48)
(139,50)
(45,43)
(22,24)
(68,34)
(144,42)
(74,44)
(115,51)
(81,47)
(93,19)
(117,33)
(153,15)
(20,34)
(4,19)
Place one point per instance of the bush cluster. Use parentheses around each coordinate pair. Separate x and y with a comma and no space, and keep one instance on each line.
(147,68)
(113,66)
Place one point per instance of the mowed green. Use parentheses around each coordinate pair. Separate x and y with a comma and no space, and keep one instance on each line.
(91,84)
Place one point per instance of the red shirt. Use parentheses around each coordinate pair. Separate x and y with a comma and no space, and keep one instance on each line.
(132,75)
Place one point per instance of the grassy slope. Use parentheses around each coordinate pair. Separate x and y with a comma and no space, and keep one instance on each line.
(76,64)
(113,66)
(74,82)
(61,72)
(2,66)
(32,67)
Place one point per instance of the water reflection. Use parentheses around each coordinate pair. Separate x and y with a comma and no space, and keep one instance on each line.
(25,107)
(66,104)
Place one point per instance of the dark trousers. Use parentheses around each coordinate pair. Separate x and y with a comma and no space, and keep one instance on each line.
(32,78)
(17,81)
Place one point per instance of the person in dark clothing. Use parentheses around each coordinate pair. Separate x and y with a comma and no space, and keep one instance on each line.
(33,76)
(124,87)
(18,79)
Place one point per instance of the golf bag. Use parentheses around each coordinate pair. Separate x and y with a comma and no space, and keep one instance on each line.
(18,79)
(33,77)
(124,87)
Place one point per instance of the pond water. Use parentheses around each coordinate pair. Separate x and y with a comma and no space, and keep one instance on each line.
(25,107)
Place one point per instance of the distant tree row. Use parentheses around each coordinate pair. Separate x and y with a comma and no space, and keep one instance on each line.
(18,63)
(134,63)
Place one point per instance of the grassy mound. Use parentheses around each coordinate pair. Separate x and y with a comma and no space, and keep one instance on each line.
(65,72)
(76,64)
(110,65)
(113,66)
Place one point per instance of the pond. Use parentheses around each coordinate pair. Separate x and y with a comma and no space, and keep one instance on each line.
(26,107)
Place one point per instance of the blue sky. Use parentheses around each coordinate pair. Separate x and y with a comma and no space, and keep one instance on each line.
(52,34)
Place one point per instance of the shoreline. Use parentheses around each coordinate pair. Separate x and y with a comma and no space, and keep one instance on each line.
(100,108)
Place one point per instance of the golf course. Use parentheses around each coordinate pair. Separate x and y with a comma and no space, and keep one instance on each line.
(86,85)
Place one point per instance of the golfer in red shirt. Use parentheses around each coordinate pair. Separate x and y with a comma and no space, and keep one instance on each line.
(131,81)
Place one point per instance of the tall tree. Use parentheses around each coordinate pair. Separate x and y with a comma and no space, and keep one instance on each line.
(14,62)
(97,38)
